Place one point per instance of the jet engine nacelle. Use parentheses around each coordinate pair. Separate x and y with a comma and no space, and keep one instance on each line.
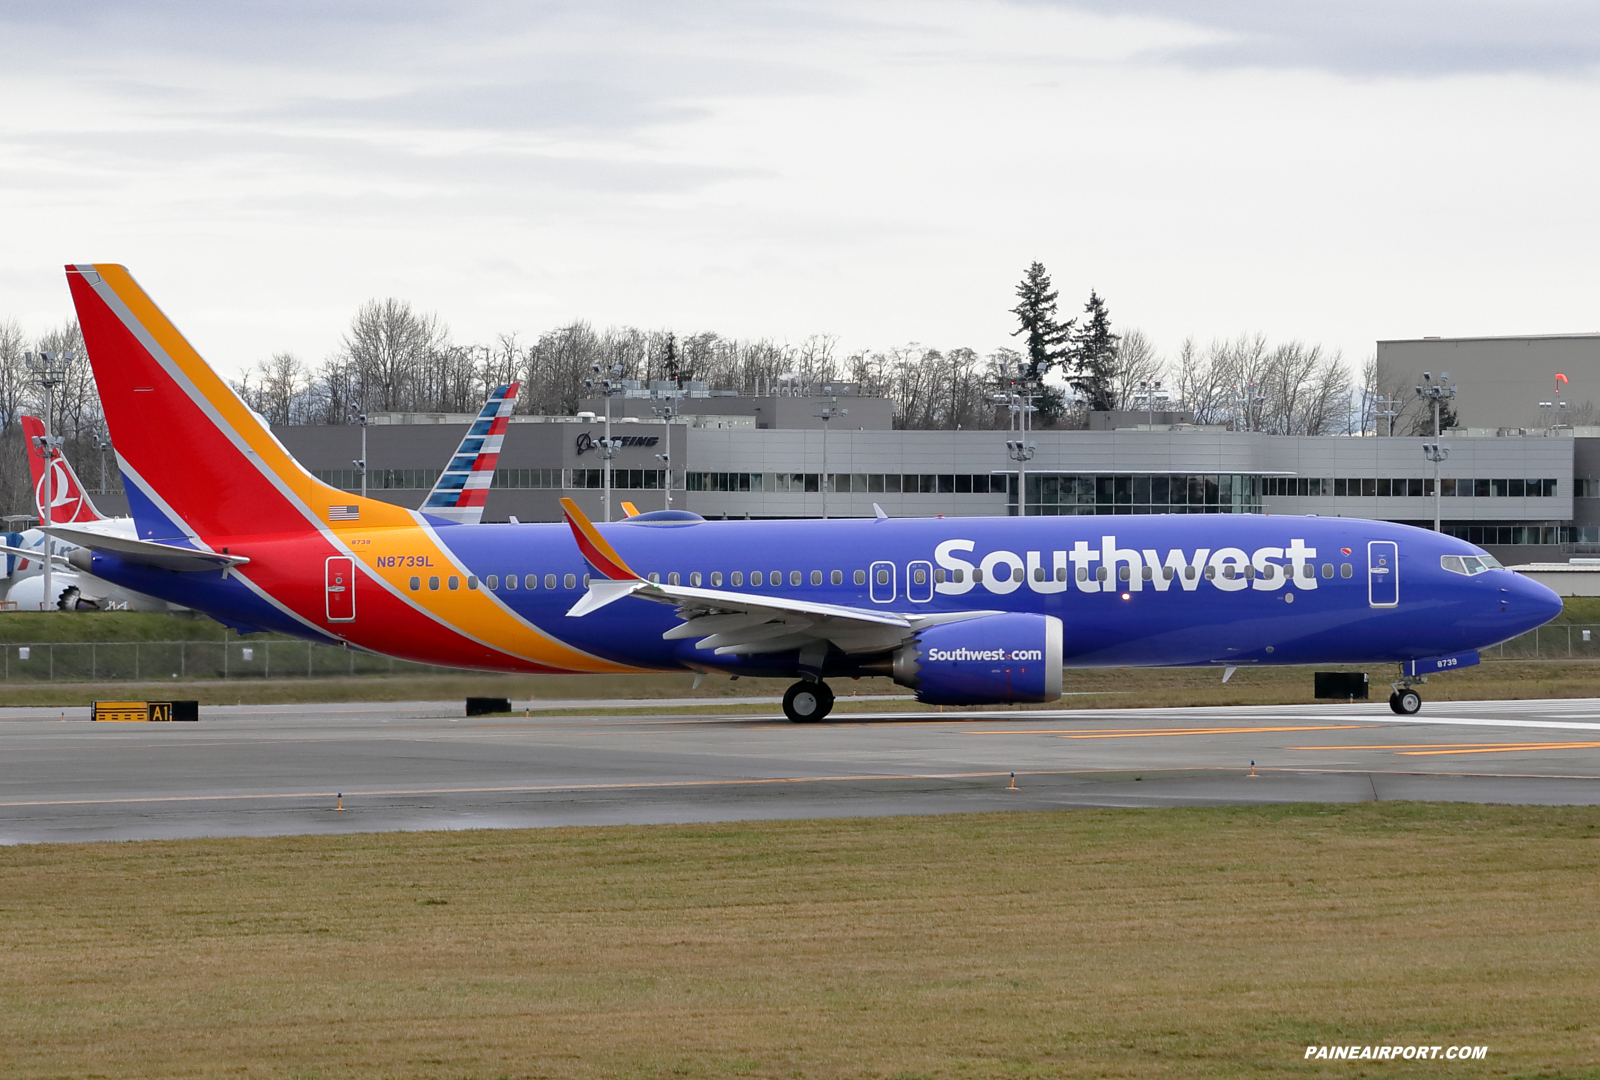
(992,660)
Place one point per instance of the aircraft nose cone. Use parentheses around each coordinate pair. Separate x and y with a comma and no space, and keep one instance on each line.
(1530,603)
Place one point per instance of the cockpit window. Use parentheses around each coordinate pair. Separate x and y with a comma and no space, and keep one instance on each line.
(1468,564)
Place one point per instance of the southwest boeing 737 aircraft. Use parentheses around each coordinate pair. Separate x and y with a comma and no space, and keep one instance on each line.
(965,611)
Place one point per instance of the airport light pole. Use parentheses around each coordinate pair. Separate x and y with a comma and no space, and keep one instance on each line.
(102,443)
(48,375)
(1438,393)
(666,412)
(361,462)
(607,447)
(1021,449)
(828,412)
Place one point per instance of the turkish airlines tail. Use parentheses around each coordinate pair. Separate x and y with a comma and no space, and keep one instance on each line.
(68,501)
(464,485)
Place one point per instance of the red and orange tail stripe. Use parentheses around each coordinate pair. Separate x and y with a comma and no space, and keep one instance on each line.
(601,555)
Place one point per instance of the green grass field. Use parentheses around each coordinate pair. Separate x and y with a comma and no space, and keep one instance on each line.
(1111,943)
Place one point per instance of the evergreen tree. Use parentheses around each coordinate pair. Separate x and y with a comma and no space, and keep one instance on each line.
(669,362)
(1094,357)
(1047,338)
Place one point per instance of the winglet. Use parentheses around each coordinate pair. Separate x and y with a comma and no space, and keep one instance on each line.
(630,509)
(601,555)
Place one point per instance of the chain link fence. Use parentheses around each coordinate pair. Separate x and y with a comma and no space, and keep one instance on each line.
(149,661)
(1575,642)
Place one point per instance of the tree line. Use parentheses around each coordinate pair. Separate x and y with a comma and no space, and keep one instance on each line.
(395,358)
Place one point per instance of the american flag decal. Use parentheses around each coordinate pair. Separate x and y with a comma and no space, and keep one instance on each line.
(344,513)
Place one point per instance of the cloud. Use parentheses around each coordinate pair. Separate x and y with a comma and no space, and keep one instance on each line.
(1406,38)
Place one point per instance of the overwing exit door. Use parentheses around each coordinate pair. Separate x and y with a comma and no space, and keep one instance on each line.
(1383,573)
(341,588)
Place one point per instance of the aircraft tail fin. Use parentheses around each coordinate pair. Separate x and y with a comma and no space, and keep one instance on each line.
(463,487)
(198,464)
(69,503)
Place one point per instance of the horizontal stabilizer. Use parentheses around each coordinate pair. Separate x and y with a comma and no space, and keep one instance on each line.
(30,553)
(146,552)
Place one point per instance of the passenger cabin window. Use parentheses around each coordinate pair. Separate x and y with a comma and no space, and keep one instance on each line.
(694,578)
(737,577)
(1345,570)
(816,577)
(472,582)
(861,577)
(837,577)
(716,579)
(794,577)
(655,578)
(454,583)
(532,581)
(433,583)
(1327,569)
(511,582)
(570,581)
(416,583)
(920,576)
(883,577)
(549,580)
(493,581)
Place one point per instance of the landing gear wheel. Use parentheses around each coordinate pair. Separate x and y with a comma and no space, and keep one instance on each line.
(807,702)
(1406,702)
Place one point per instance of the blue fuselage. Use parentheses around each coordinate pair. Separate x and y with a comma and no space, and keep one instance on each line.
(1130,591)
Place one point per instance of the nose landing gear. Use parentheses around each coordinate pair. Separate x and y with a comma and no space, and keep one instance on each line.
(1405,701)
(807,702)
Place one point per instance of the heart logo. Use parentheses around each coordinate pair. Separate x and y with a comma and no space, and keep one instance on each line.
(1345,550)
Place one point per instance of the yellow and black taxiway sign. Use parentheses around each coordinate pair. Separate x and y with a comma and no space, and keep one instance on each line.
(144,711)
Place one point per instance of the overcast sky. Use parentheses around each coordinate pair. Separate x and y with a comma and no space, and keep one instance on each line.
(884,172)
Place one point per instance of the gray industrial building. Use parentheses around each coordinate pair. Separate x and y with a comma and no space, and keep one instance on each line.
(1506,382)
(1524,495)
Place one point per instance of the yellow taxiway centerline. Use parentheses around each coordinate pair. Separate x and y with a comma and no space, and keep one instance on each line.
(1145,733)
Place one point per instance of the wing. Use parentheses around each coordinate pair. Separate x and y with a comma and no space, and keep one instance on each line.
(735,623)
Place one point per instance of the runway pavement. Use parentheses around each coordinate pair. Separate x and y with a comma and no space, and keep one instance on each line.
(272,770)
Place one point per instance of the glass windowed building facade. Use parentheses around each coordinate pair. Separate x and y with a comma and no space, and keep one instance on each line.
(1538,495)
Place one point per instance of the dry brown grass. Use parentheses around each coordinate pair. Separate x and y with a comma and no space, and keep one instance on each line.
(1195,942)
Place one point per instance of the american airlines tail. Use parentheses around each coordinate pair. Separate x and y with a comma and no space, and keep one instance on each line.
(463,487)
(69,503)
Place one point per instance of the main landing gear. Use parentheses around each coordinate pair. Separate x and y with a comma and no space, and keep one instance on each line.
(807,702)
(1405,700)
